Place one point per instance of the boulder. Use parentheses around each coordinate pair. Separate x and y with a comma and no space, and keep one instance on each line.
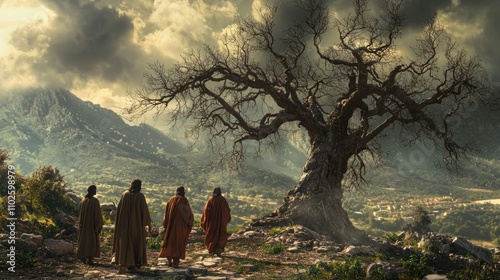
(35,238)
(155,232)
(435,243)
(109,211)
(381,270)
(72,195)
(26,246)
(66,222)
(359,250)
(58,247)
(477,251)
(112,216)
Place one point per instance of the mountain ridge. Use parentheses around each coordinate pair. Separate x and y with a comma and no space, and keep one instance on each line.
(93,145)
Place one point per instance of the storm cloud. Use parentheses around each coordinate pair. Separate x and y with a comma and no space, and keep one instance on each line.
(102,47)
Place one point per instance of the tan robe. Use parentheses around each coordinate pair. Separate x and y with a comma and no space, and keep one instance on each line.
(216,215)
(89,227)
(129,243)
(178,222)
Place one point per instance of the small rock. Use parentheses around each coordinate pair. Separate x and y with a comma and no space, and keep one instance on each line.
(359,250)
(250,233)
(435,277)
(58,247)
(323,249)
(209,264)
(93,274)
(35,238)
(292,249)
(60,273)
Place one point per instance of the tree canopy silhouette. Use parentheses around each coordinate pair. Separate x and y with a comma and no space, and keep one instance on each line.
(343,80)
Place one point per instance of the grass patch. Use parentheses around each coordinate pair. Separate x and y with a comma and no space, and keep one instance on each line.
(235,229)
(273,248)
(276,230)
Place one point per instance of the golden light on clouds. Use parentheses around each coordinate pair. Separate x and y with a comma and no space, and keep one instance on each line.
(99,49)
(460,29)
(14,15)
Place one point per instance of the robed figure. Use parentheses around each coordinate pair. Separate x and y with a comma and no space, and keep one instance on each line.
(132,217)
(216,215)
(178,222)
(89,227)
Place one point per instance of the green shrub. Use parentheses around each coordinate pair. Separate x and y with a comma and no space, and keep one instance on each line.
(153,243)
(351,269)
(416,266)
(45,193)
(392,237)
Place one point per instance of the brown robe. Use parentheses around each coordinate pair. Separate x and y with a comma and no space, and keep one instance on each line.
(216,215)
(89,227)
(178,222)
(129,243)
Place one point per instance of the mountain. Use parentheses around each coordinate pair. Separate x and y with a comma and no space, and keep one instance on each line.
(93,145)
(41,126)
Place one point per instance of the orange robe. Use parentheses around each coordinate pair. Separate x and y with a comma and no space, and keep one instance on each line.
(89,227)
(178,222)
(216,215)
(129,243)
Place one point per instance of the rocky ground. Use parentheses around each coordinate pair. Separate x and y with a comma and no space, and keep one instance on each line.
(252,253)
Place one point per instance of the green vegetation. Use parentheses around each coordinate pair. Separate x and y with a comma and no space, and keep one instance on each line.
(273,248)
(235,229)
(350,269)
(276,230)
(416,267)
(451,210)
(476,272)
(478,222)
(45,193)
(153,243)
(37,198)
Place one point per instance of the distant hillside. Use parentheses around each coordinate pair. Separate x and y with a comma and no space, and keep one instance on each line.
(55,127)
(93,145)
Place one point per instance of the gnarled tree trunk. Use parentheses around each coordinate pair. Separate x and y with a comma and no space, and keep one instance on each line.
(316,201)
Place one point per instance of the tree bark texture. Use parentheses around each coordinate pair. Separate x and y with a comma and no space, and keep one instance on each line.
(316,201)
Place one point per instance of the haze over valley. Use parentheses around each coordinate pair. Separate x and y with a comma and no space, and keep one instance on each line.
(94,145)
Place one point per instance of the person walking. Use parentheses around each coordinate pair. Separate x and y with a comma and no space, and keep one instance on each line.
(90,224)
(216,215)
(132,217)
(178,222)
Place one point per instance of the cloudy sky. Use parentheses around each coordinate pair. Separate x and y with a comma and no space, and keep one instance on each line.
(99,49)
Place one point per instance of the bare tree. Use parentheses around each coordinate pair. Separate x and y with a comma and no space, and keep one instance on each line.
(343,93)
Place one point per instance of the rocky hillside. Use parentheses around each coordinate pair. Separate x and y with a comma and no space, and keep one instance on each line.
(292,252)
